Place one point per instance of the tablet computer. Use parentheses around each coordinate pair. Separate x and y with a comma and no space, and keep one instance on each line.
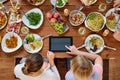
(57,43)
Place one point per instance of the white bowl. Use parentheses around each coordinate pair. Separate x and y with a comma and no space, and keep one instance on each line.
(37,37)
(74,12)
(104,22)
(116,18)
(88,46)
(53,3)
(3,43)
(26,21)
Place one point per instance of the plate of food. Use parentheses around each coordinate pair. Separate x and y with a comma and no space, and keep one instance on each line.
(76,17)
(58,3)
(11,42)
(3,20)
(94,43)
(33,18)
(57,21)
(33,43)
(36,2)
(112,19)
(95,21)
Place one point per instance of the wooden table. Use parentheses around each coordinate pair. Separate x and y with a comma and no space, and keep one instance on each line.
(73,31)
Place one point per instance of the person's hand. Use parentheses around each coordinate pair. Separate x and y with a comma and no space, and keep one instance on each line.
(116,3)
(51,56)
(73,50)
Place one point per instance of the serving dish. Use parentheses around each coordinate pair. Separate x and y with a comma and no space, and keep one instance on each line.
(95,21)
(33,43)
(11,42)
(57,21)
(76,17)
(33,18)
(112,19)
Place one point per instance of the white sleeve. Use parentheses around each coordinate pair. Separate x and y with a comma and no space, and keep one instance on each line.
(17,70)
(54,69)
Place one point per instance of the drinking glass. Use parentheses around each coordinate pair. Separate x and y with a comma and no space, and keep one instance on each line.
(81,31)
(102,7)
(108,1)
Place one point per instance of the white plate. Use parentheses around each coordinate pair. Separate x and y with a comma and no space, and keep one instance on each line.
(38,3)
(75,12)
(88,46)
(102,25)
(53,3)
(26,21)
(5,21)
(116,17)
(3,43)
(37,37)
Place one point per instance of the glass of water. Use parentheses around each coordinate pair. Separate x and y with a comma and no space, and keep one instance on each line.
(81,31)
(108,1)
(102,7)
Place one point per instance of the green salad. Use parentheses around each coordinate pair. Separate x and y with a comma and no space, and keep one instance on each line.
(60,3)
(34,18)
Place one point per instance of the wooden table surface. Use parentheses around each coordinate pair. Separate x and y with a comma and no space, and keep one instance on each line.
(73,31)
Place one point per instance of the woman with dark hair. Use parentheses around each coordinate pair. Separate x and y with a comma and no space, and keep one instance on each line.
(35,68)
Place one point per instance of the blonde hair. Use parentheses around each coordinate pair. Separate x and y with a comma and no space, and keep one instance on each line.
(81,67)
(33,63)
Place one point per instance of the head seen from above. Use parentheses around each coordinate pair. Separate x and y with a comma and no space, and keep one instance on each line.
(33,63)
(81,68)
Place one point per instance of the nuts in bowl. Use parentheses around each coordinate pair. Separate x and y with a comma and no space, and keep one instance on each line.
(76,17)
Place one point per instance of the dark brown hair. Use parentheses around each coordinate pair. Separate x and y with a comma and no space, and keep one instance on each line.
(33,63)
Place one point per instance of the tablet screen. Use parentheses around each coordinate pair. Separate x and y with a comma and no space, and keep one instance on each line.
(57,44)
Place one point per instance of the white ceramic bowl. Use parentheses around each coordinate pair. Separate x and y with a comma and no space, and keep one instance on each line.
(104,22)
(26,21)
(75,12)
(3,43)
(53,3)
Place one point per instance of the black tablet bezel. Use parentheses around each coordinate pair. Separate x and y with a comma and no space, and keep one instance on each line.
(50,38)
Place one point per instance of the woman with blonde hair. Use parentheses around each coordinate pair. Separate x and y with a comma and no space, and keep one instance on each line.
(35,68)
(81,66)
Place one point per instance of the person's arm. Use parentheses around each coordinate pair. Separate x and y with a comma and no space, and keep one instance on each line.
(116,3)
(95,57)
(51,56)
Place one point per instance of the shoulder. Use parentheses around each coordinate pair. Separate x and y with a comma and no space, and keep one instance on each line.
(18,69)
(99,69)
(69,75)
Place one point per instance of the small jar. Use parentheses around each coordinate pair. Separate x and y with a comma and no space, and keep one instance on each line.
(24,30)
(81,31)
(66,12)
(106,32)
